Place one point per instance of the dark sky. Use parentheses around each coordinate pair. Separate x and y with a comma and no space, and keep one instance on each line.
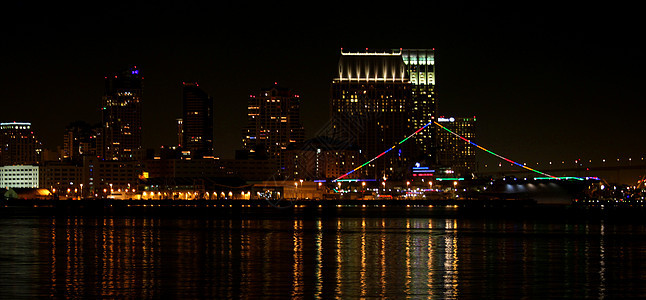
(547,81)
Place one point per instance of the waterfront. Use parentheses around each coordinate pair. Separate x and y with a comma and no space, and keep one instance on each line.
(392,252)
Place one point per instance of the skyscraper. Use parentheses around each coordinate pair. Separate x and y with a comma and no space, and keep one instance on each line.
(122,120)
(273,122)
(371,103)
(18,144)
(81,138)
(452,151)
(420,65)
(197,121)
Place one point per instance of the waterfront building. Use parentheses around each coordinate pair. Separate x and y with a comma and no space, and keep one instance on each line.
(370,107)
(122,115)
(58,176)
(453,152)
(196,125)
(18,144)
(322,158)
(273,123)
(252,169)
(102,177)
(19,176)
(420,65)
(186,168)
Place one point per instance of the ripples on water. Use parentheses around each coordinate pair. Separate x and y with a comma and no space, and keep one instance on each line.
(319,257)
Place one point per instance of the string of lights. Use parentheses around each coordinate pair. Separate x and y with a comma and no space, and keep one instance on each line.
(383,153)
(453,133)
(492,153)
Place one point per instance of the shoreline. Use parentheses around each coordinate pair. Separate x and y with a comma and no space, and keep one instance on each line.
(264,209)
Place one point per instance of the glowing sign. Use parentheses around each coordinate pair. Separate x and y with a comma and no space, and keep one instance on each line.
(451,119)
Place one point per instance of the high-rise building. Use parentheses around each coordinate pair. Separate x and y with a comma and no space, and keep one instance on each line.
(420,64)
(180,131)
(273,122)
(452,151)
(197,121)
(370,108)
(81,138)
(122,119)
(18,144)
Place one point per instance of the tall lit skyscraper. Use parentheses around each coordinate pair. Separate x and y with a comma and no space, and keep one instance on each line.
(122,120)
(420,65)
(197,121)
(18,144)
(371,104)
(273,122)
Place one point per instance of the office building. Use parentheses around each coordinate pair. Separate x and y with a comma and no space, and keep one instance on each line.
(196,124)
(370,108)
(79,139)
(273,122)
(21,176)
(18,144)
(122,119)
(454,152)
(322,158)
(420,65)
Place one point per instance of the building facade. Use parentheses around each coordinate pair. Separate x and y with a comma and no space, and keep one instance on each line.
(453,152)
(82,139)
(420,64)
(322,158)
(18,144)
(197,121)
(20,176)
(370,108)
(58,176)
(122,118)
(273,123)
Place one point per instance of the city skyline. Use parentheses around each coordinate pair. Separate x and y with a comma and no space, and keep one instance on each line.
(544,85)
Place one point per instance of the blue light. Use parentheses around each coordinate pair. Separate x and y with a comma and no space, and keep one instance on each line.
(135,72)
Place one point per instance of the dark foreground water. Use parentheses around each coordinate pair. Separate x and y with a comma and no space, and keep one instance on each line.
(391,254)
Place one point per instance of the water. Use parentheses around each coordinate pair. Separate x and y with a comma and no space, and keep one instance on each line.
(390,254)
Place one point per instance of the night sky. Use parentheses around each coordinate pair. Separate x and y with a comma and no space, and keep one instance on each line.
(546,81)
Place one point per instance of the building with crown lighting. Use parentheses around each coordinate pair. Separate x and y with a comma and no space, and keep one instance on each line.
(122,115)
(273,123)
(197,121)
(18,144)
(370,108)
(420,65)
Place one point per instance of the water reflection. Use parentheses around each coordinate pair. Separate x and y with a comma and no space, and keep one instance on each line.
(321,258)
